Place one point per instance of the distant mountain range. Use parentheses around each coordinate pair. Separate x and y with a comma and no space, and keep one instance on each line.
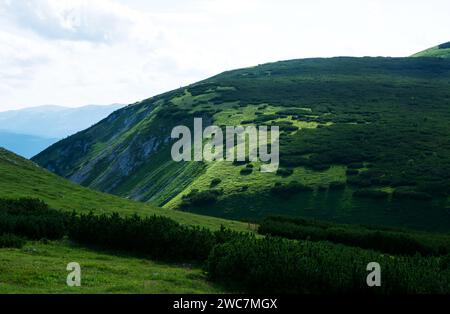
(29,131)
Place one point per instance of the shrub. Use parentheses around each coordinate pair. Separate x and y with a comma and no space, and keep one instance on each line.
(445,46)
(246,171)
(32,219)
(370,193)
(215,182)
(411,194)
(284,172)
(23,205)
(274,265)
(393,241)
(337,185)
(352,172)
(355,165)
(288,128)
(157,237)
(359,181)
(11,241)
(290,189)
(243,188)
(200,198)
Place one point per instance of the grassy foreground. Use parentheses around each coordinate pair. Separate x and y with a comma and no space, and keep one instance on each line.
(41,268)
(21,178)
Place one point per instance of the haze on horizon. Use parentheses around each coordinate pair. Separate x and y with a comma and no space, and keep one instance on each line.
(79,52)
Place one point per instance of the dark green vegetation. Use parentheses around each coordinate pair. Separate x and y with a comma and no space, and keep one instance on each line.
(384,240)
(20,178)
(240,261)
(374,126)
(39,267)
(157,237)
(282,266)
(11,241)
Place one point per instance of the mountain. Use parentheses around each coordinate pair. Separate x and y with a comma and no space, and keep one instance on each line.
(21,178)
(59,121)
(22,131)
(441,51)
(365,140)
(25,145)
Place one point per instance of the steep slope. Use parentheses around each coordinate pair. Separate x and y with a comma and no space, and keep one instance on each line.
(441,51)
(376,124)
(22,178)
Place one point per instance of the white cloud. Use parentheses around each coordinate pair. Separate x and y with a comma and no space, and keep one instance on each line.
(85,20)
(77,52)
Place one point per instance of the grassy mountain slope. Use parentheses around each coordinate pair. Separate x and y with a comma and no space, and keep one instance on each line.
(441,51)
(375,126)
(22,178)
(41,268)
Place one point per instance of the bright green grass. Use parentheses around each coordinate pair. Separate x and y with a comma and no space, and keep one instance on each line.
(233,181)
(41,268)
(22,178)
(434,52)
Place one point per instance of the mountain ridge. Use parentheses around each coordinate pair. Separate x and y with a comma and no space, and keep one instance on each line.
(439,51)
(327,108)
(64,121)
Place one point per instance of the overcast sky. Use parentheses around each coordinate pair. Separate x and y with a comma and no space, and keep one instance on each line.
(79,52)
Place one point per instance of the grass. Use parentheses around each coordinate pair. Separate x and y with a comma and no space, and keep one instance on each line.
(40,268)
(441,51)
(22,178)
(232,181)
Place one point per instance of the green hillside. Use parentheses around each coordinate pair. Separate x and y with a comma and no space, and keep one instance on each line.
(22,178)
(41,268)
(365,140)
(441,51)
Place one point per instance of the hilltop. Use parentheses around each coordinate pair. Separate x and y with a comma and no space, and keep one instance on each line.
(365,140)
(441,51)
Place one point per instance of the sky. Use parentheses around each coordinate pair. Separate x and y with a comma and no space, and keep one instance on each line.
(79,52)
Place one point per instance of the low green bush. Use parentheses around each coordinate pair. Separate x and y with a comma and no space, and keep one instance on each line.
(337,185)
(215,182)
(246,171)
(200,198)
(390,241)
(411,194)
(11,241)
(290,189)
(371,193)
(275,265)
(284,172)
